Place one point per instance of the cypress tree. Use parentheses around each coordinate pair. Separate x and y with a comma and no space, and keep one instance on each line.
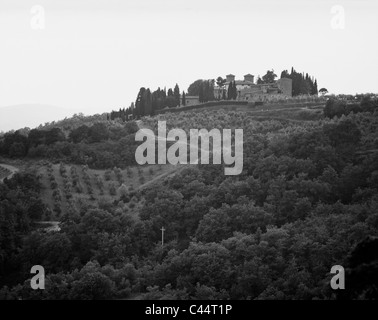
(147,103)
(234,91)
(315,87)
(229,91)
(139,104)
(224,96)
(176,93)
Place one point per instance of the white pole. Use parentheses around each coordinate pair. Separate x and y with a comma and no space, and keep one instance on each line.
(162,236)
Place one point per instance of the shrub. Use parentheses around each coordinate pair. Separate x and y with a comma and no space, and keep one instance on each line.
(112,190)
(108,175)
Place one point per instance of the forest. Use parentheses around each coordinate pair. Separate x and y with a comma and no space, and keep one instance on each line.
(307,200)
(100,144)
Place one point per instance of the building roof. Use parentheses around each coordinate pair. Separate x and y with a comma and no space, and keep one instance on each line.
(191,97)
(232,75)
(249,75)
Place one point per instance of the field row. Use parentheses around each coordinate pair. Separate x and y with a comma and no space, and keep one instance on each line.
(64,184)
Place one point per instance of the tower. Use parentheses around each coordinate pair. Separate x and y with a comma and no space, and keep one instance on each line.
(230,78)
(249,77)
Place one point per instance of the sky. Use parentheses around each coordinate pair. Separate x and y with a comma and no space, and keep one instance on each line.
(92,56)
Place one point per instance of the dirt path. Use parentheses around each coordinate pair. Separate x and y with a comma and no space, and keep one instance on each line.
(162,176)
(178,167)
(12,170)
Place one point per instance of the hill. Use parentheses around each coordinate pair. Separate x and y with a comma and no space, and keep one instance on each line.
(305,200)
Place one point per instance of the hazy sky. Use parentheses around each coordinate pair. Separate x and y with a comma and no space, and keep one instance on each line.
(93,56)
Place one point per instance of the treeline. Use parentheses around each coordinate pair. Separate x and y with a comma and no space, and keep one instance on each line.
(124,114)
(302,84)
(101,145)
(148,103)
(204,89)
(17,144)
(336,107)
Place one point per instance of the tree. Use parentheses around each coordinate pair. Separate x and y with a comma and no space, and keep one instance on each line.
(79,134)
(123,192)
(183,101)
(176,93)
(170,102)
(221,223)
(302,84)
(98,132)
(269,77)
(140,104)
(148,103)
(285,74)
(9,140)
(208,90)
(230,91)
(194,88)
(54,135)
(234,91)
(323,91)
(315,88)
(92,286)
(220,83)
(17,149)
(334,108)
(36,137)
(158,99)
(112,189)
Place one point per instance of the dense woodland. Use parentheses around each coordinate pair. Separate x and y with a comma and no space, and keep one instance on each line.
(306,200)
(99,144)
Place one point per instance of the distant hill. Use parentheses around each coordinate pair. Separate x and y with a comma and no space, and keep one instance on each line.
(30,115)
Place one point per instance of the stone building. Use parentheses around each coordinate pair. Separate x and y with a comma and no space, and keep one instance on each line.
(248,90)
(286,86)
(191,100)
